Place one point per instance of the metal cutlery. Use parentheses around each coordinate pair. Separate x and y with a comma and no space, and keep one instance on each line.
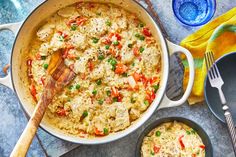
(216,81)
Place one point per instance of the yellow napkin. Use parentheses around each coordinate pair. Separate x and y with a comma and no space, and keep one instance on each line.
(218,36)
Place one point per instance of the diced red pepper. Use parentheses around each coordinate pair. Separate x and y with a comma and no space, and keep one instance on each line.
(121,68)
(106,41)
(119,98)
(119,46)
(194,155)
(29,62)
(202,146)
(136,51)
(64,35)
(33,91)
(153,80)
(38,56)
(137,76)
(81,20)
(90,65)
(156,149)
(150,96)
(114,92)
(70,22)
(61,112)
(71,56)
(147,32)
(43,80)
(118,37)
(181,142)
(98,132)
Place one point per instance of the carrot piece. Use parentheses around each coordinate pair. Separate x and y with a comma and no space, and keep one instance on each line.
(136,51)
(146,32)
(156,149)
(114,92)
(120,68)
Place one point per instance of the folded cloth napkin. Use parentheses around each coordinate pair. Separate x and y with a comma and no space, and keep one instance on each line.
(218,36)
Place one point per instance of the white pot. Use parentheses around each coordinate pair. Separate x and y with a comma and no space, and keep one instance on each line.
(18,77)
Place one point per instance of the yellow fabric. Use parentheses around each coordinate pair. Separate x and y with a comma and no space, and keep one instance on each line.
(218,36)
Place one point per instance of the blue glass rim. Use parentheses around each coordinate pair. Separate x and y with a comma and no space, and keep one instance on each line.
(197,24)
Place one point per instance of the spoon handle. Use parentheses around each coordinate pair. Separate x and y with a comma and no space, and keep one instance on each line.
(23,144)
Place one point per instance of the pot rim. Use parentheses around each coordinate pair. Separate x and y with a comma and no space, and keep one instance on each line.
(204,136)
(94,141)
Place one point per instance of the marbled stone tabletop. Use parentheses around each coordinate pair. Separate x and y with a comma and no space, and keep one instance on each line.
(13,121)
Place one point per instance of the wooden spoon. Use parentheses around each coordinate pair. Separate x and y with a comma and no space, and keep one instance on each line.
(59,77)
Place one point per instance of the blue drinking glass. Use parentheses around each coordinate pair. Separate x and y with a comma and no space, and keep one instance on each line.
(194,12)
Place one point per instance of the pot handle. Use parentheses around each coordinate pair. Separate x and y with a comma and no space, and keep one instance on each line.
(13,27)
(166,102)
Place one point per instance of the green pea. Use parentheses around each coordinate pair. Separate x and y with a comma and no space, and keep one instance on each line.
(108,23)
(142,37)
(101,57)
(115,43)
(94,92)
(107,47)
(108,93)
(125,75)
(95,40)
(141,49)
(105,131)
(85,114)
(73,27)
(77,86)
(188,132)
(100,101)
(146,102)
(141,25)
(99,82)
(115,99)
(45,66)
(156,87)
(158,133)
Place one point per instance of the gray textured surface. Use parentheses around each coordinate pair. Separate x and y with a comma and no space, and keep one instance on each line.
(12,120)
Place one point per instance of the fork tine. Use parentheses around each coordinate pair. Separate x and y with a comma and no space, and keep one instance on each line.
(208,65)
(214,67)
(212,64)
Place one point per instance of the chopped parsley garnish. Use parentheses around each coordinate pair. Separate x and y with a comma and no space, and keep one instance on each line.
(146,102)
(137,35)
(141,49)
(77,58)
(77,86)
(100,101)
(99,14)
(125,75)
(156,87)
(141,25)
(99,82)
(193,131)
(73,27)
(85,114)
(115,43)
(132,100)
(108,23)
(94,92)
(130,45)
(43,57)
(95,40)
(101,57)
(45,66)
(107,47)
(70,87)
(115,99)
(108,93)
(105,131)
(133,64)
(158,133)
(61,38)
